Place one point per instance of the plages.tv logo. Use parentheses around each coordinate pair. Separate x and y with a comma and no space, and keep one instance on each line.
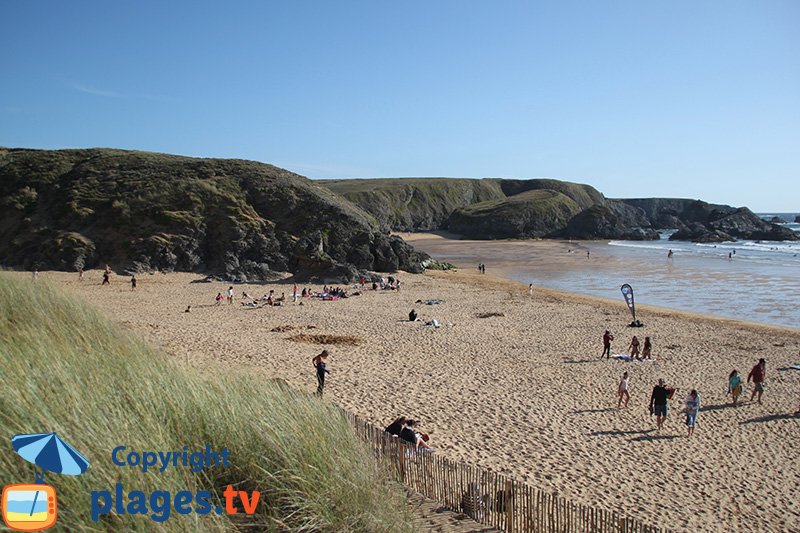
(34,506)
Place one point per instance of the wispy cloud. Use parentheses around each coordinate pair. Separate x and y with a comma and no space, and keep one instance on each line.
(92,90)
(88,89)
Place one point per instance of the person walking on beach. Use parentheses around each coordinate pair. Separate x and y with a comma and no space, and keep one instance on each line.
(133,282)
(218,299)
(230,295)
(658,402)
(647,349)
(607,338)
(757,374)
(530,289)
(692,407)
(80,275)
(622,391)
(106,280)
(670,254)
(35,274)
(735,385)
(634,347)
(319,363)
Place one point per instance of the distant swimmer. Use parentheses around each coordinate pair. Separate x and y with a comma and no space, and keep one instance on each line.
(669,254)
(730,256)
(587,254)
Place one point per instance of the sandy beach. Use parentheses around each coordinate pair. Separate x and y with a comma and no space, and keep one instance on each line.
(523,393)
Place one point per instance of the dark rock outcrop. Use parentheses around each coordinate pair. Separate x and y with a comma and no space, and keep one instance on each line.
(797,219)
(602,222)
(776,220)
(139,211)
(703,222)
(741,223)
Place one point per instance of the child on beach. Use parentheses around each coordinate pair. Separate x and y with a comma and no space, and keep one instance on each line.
(607,338)
(757,374)
(734,385)
(230,295)
(634,347)
(319,363)
(218,299)
(692,407)
(106,280)
(622,391)
(648,347)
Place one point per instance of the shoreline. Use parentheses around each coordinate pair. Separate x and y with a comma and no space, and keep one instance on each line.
(682,287)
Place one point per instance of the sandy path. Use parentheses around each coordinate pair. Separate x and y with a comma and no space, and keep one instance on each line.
(524,393)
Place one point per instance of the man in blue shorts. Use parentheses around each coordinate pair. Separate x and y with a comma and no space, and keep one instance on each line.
(658,402)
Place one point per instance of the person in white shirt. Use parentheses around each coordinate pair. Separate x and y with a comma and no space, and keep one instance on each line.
(622,391)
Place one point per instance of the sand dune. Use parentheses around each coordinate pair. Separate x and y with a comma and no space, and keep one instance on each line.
(524,393)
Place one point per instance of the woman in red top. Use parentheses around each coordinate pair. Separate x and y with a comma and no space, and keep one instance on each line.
(757,374)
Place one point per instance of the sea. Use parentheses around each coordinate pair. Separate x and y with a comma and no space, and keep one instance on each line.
(756,281)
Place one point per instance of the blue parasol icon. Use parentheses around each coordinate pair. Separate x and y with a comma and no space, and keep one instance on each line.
(51,453)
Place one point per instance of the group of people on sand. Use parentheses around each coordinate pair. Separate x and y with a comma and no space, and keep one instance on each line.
(659,398)
(633,347)
(106,277)
(389,283)
(405,429)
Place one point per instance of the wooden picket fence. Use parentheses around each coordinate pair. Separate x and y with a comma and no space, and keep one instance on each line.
(488,497)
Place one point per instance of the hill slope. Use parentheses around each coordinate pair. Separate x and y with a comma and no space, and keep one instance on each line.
(67,209)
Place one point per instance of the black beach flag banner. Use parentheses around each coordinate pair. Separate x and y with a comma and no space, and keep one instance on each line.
(627,293)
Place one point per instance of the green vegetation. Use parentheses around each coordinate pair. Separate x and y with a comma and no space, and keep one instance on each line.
(534,213)
(142,211)
(414,204)
(68,369)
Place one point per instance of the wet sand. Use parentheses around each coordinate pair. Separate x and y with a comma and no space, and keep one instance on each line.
(523,393)
(757,289)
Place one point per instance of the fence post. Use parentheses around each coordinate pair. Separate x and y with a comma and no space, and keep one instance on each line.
(401,461)
(509,507)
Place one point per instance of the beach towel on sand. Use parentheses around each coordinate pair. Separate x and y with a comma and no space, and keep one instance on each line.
(628,358)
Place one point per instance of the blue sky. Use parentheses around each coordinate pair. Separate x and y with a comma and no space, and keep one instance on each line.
(690,99)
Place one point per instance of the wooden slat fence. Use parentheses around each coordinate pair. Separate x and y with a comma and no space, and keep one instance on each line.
(488,497)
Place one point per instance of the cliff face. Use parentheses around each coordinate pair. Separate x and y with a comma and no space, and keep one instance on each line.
(414,204)
(489,208)
(69,209)
(703,222)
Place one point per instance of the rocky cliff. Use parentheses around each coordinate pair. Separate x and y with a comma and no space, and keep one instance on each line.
(68,209)
(493,208)
(703,222)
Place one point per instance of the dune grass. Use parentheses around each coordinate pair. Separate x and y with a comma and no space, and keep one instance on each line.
(66,368)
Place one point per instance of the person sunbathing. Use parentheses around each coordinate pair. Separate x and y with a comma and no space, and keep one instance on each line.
(411,436)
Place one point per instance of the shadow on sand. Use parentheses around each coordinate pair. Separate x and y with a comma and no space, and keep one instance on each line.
(720,406)
(601,410)
(770,418)
(620,433)
(652,438)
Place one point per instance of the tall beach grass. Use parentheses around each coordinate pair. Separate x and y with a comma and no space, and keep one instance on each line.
(66,368)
